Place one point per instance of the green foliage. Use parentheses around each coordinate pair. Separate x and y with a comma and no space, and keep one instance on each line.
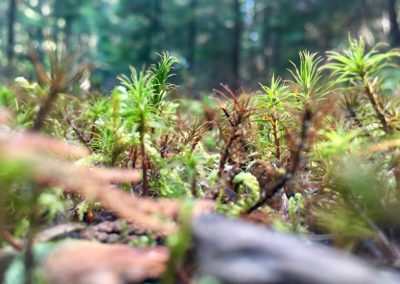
(275,96)
(15,273)
(51,203)
(337,142)
(344,224)
(24,200)
(208,280)
(143,242)
(7,98)
(139,94)
(357,65)
(247,180)
(296,205)
(248,193)
(307,76)
(179,244)
(357,167)
(17,200)
(161,75)
(361,68)
(82,208)
(144,92)
(273,116)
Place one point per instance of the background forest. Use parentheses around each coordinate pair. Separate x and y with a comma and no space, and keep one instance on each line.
(239,42)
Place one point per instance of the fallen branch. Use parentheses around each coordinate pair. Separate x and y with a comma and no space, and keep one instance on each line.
(236,252)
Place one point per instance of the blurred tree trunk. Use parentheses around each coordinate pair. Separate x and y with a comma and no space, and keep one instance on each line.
(394,24)
(276,31)
(266,38)
(12,13)
(156,25)
(236,38)
(191,53)
(152,42)
(39,30)
(365,11)
(68,32)
(55,16)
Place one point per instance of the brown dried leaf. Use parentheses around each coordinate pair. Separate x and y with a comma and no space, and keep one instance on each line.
(78,261)
(58,231)
(5,116)
(107,176)
(33,150)
(21,143)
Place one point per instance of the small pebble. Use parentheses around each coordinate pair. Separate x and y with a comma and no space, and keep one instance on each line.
(102,237)
(113,238)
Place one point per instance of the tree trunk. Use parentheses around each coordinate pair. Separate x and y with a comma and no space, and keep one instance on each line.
(276,31)
(156,25)
(394,24)
(68,32)
(365,11)
(223,245)
(39,30)
(191,55)
(236,38)
(12,13)
(266,38)
(55,17)
(152,41)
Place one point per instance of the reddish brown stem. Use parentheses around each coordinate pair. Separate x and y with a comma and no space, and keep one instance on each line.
(225,154)
(277,141)
(130,155)
(44,110)
(378,108)
(387,128)
(78,133)
(164,144)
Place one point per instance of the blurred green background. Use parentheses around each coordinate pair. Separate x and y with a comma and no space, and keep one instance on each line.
(238,42)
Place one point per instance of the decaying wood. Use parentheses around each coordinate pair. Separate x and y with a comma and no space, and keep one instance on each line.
(239,252)
(58,231)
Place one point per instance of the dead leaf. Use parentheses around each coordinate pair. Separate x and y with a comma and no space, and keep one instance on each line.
(81,261)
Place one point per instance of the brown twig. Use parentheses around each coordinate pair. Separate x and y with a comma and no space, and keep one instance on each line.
(77,132)
(236,117)
(193,182)
(164,145)
(378,108)
(40,72)
(63,74)
(129,157)
(226,153)
(275,133)
(45,108)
